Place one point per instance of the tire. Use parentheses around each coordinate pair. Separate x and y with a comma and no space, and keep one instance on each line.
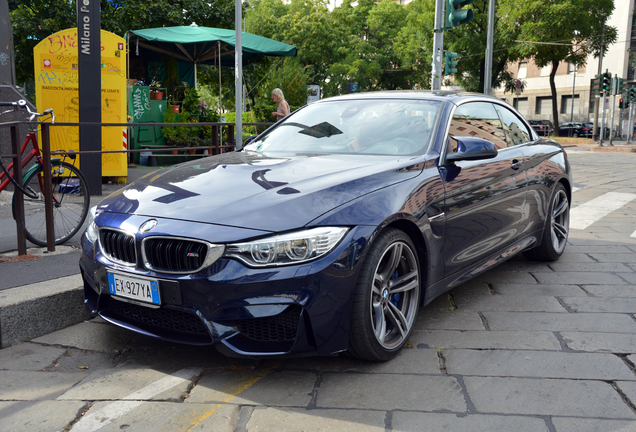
(70,203)
(386,298)
(575,135)
(555,234)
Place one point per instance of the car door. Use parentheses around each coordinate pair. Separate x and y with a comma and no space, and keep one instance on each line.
(484,200)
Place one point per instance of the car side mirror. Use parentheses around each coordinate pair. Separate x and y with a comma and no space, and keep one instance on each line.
(472,148)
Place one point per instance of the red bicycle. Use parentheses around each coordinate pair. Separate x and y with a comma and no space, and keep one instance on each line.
(71,197)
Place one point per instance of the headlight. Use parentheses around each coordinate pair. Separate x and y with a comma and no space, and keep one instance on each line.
(92,231)
(292,248)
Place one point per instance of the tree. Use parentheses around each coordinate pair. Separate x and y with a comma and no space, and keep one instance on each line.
(414,43)
(469,41)
(123,15)
(369,55)
(575,24)
(33,20)
(308,25)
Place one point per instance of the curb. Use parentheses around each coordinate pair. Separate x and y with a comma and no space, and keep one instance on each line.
(30,311)
(613,149)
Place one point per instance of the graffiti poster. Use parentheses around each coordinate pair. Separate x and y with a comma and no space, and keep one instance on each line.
(56,72)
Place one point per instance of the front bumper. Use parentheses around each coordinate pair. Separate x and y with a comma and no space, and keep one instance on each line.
(270,311)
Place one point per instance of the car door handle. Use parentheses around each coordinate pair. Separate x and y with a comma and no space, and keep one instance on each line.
(516,164)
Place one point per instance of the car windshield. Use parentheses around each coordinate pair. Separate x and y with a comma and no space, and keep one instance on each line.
(378,126)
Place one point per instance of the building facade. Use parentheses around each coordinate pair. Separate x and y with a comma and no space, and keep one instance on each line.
(576,102)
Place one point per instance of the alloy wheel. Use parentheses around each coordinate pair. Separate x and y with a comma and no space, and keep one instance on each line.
(560,220)
(395,296)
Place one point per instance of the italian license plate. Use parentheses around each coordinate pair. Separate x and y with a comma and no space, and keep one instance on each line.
(143,290)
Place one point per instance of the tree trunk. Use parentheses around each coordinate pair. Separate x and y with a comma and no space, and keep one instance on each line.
(555,108)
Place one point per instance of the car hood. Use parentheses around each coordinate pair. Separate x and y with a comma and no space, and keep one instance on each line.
(257,190)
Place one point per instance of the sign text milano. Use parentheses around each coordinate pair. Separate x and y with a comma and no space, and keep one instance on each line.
(85,30)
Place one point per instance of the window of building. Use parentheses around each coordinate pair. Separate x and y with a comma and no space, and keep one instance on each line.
(523,70)
(544,105)
(592,104)
(572,68)
(545,71)
(521,105)
(566,104)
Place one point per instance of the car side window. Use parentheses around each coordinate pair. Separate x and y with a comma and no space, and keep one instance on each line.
(477,119)
(516,131)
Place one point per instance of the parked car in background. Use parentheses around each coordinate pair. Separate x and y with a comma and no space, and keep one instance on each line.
(542,127)
(329,230)
(575,129)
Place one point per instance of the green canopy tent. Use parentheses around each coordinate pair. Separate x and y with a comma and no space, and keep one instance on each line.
(195,45)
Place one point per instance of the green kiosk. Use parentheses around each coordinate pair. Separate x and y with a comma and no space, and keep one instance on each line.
(143,108)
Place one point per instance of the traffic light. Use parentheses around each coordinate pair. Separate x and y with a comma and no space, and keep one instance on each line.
(618,84)
(632,94)
(455,16)
(620,104)
(450,63)
(600,82)
(607,82)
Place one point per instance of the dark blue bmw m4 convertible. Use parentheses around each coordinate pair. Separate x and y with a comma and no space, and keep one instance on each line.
(328,232)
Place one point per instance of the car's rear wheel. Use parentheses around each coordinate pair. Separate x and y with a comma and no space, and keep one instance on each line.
(386,298)
(555,235)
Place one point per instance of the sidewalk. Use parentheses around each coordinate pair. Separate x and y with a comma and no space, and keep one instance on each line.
(41,291)
(618,145)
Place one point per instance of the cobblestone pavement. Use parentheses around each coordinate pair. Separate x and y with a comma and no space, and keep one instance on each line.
(524,347)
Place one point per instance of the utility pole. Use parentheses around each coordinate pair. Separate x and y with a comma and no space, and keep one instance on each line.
(573,87)
(631,97)
(600,68)
(7,66)
(630,125)
(438,45)
(238,73)
(454,17)
(615,86)
(489,48)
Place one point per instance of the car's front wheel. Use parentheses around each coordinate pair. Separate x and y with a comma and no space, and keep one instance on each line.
(386,298)
(555,235)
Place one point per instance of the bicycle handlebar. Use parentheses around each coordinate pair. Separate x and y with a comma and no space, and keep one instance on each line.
(23,104)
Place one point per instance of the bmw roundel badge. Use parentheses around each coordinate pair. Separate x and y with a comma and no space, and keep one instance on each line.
(147,226)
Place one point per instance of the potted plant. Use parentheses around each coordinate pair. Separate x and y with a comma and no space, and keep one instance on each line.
(176,97)
(154,75)
(157,93)
(172,103)
(174,87)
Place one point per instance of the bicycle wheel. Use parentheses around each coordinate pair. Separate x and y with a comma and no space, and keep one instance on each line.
(71,200)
